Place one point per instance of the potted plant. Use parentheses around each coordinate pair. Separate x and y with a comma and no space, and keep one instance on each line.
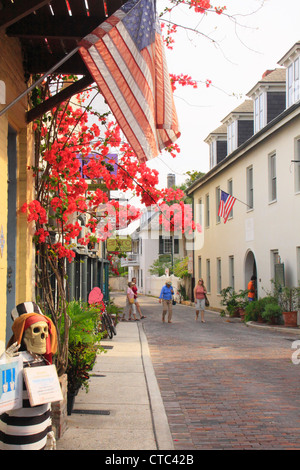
(235,302)
(289,300)
(84,344)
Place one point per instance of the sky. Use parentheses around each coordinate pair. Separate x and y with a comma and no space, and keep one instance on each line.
(251,37)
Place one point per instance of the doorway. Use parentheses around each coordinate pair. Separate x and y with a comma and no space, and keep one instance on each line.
(250,268)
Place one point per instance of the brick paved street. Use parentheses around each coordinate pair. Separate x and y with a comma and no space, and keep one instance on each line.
(224,385)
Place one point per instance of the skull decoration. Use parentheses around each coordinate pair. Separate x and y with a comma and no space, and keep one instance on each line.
(35,337)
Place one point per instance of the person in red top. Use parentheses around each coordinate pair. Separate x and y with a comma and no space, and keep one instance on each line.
(135,290)
(199,296)
(251,289)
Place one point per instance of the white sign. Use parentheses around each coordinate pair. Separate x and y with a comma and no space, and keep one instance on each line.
(11,383)
(42,385)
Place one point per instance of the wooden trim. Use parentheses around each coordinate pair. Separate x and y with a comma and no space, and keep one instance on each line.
(15,12)
(55,100)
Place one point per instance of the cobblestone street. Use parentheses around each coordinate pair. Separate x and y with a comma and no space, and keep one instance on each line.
(224,385)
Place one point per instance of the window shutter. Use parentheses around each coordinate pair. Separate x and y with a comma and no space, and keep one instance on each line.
(161,245)
(176,246)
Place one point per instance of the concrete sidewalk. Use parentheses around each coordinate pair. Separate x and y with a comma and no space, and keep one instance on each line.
(123,409)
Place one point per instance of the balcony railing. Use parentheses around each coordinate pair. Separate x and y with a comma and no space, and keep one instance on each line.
(133,259)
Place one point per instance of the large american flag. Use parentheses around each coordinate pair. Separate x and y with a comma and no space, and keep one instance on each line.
(226,204)
(125,56)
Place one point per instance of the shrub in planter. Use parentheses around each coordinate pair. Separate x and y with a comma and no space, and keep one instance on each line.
(234,301)
(84,344)
(272,314)
(252,311)
(255,309)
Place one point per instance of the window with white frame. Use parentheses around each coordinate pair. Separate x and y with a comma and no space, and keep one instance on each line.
(230,191)
(200,212)
(259,120)
(218,198)
(272,178)
(231,271)
(231,137)
(249,182)
(275,259)
(298,264)
(207,211)
(199,267)
(219,275)
(293,82)
(208,286)
(297,164)
(213,154)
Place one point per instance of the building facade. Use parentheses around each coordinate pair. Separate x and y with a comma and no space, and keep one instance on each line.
(262,171)
(16,154)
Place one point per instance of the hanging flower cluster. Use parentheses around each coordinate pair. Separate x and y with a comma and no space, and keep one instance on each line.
(75,155)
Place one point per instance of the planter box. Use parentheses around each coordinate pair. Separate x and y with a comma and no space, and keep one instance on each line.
(290,318)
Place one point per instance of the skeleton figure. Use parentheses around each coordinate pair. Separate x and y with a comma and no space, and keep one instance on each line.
(30,427)
(35,337)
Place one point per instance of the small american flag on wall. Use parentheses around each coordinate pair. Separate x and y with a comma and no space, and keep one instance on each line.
(125,56)
(226,204)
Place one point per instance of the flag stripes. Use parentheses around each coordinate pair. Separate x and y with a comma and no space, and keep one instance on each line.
(134,82)
(226,204)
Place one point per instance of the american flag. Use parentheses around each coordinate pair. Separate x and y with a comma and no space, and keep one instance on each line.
(125,56)
(226,204)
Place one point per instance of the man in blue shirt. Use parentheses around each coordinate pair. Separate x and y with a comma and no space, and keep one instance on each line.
(166,297)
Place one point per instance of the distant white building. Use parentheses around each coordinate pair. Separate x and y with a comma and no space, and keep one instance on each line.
(255,156)
(148,244)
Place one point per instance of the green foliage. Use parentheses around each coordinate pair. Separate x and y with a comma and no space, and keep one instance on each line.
(233,300)
(287,297)
(84,319)
(159,266)
(182,292)
(181,267)
(272,313)
(255,309)
(84,343)
(113,309)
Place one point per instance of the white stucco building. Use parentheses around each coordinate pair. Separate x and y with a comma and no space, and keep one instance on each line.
(149,242)
(261,168)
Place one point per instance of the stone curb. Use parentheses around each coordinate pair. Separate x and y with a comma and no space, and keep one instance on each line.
(160,421)
(280,329)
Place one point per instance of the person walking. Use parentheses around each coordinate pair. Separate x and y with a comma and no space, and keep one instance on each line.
(166,295)
(199,296)
(251,289)
(135,290)
(131,304)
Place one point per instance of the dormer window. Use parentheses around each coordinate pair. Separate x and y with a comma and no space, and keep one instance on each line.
(293,82)
(268,97)
(217,141)
(291,60)
(259,112)
(232,136)
(239,125)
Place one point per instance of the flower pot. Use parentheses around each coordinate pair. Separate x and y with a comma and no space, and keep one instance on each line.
(290,318)
(70,402)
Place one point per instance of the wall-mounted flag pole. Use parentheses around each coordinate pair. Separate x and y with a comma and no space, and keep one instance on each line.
(226,204)
(40,80)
